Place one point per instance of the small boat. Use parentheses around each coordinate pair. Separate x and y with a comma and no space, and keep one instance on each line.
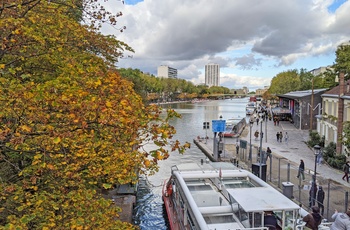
(218,195)
(234,127)
(250,108)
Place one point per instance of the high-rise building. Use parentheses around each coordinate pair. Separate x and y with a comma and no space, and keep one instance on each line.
(167,72)
(212,74)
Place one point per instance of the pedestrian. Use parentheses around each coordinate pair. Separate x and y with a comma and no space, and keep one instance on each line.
(341,220)
(281,136)
(237,148)
(312,194)
(313,219)
(346,167)
(286,137)
(261,135)
(278,121)
(256,135)
(320,199)
(274,121)
(257,121)
(270,220)
(301,170)
(278,136)
(268,153)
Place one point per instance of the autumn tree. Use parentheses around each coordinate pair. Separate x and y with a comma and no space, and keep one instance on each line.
(70,125)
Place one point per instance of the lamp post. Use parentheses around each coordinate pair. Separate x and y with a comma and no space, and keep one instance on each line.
(260,149)
(317,149)
(251,123)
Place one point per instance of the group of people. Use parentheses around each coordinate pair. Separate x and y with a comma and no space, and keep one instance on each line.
(279,136)
(341,221)
(316,193)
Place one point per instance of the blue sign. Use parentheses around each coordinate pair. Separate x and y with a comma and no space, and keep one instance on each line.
(218,126)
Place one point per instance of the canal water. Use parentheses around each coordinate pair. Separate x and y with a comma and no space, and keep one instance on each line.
(149,211)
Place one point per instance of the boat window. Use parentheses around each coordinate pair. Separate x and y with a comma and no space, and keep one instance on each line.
(216,219)
(199,187)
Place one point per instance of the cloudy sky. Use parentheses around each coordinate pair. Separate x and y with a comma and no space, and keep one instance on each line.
(251,40)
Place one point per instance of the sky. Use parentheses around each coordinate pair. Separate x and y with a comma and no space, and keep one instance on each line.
(251,40)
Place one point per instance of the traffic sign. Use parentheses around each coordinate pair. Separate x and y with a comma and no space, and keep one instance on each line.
(218,126)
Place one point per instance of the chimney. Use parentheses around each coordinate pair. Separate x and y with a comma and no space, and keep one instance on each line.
(340,113)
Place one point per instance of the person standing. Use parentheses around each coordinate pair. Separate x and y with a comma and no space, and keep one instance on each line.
(346,167)
(237,149)
(286,137)
(301,170)
(341,220)
(313,219)
(278,136)
(256,135)
(312,194)
(281,136)
(257,121)
(320,199)
(268,153)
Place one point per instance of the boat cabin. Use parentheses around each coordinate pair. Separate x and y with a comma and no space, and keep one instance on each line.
(205,197)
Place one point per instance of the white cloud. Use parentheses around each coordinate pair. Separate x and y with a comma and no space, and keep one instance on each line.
(254,36)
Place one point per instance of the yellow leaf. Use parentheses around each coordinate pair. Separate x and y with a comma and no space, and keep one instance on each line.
(98,82)
(26,128)
(108,104)
(2,66)
(57,140)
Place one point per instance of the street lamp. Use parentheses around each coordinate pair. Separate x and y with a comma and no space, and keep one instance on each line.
(260,149)
(251,123)
(317,149)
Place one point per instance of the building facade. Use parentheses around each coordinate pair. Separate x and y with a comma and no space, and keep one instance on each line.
(302,106)
(167,72)
(336,111)
(212,74)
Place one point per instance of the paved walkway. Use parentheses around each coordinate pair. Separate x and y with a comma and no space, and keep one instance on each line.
(294,150)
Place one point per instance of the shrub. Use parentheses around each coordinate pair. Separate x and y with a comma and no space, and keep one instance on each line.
(315,139)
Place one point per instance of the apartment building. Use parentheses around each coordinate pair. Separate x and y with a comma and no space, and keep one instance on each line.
(167,72)
(212,74)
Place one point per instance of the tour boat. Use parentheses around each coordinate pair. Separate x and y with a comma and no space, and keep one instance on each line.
(218,195)
(250,108)
(234,127)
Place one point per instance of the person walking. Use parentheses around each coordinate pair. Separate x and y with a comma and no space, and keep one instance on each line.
(346,167)
(301,170)
(237,149)
(341,220)
(320,199)
(313,219)
(286,137)
(281,136)
(278,136)
(257,121)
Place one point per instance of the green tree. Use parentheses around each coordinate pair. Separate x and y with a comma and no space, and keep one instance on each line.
(285,82)
(342,61)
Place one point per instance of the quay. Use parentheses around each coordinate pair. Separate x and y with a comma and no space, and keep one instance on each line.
(283,166)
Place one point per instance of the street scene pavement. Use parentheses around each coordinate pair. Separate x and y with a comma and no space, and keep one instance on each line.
(292,152)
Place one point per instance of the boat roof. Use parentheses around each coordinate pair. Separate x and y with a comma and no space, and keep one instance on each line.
(259,199)
(253,195)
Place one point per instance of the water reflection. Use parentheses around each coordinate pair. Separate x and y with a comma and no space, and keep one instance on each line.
(149,213)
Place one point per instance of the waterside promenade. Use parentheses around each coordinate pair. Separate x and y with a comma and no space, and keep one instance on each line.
(285,162)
